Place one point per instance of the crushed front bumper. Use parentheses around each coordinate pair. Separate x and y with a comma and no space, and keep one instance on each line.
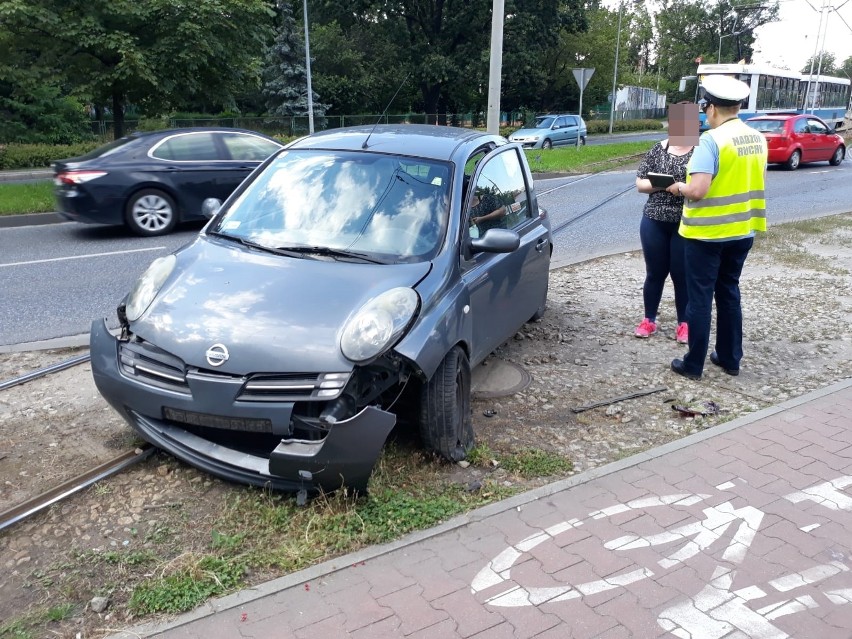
(346,456)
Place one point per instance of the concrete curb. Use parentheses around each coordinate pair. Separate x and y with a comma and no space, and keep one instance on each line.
(29,219)
(313,573)
(25,175)
(71,341)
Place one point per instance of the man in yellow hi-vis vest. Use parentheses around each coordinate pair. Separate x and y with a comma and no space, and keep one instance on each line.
(724,205)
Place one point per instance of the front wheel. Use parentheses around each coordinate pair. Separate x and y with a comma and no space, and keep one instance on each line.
(547,144)
(837,158)
(446,423)
(795,159)
(151,212)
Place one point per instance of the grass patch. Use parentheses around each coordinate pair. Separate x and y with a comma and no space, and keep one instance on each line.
(788,242)
(586,159)
(32,624)
(27,197)
(527,463)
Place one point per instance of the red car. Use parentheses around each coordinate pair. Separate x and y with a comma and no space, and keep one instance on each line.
(796,138)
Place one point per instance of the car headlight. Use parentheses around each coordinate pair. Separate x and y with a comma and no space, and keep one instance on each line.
(147,286)
(378,324)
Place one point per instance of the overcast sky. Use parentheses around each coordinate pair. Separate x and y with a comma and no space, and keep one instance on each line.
(793,39)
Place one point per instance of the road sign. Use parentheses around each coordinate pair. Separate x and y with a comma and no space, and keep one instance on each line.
(583,76)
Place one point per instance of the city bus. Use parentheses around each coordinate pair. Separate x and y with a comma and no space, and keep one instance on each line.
(783,91)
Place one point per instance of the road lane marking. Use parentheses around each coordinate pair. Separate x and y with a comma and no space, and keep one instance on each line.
(80,257)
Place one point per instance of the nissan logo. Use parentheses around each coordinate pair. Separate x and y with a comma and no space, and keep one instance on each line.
(217,355)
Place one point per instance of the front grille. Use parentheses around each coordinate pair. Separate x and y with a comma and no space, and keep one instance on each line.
(290,387)
(147,363)
(155,367)
(244,424)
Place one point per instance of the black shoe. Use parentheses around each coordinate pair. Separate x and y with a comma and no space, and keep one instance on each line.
(730,371)
(677,367)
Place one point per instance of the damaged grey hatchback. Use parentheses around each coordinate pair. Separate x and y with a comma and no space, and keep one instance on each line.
(356,276)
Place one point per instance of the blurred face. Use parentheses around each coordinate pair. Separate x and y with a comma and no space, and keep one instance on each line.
(683,124)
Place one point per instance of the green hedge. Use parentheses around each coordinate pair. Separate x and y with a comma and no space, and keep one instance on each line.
(602,126)
(37,156)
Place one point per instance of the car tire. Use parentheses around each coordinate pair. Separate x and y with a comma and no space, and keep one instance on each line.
(151,212)
(839,154)
(446,423)
(793,161)
(582,140)
(547,144)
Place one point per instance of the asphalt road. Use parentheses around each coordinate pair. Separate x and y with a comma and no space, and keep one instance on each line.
(55,279)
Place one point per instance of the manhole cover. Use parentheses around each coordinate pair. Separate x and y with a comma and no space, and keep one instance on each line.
(498,378)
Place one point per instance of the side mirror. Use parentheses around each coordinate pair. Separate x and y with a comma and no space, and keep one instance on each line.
(496,241)
(210,207)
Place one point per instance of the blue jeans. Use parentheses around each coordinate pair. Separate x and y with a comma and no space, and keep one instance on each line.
(662,248)
(713,269)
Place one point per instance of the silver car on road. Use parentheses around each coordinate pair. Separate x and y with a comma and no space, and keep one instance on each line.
(344,284)
(547,131)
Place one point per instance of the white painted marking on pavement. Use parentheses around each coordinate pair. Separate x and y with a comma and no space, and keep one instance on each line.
(82,257)
(828,494)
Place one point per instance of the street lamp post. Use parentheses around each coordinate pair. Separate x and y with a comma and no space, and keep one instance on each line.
(615,68)
(308,71)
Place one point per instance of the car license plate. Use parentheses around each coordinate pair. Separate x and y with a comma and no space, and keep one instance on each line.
(245,424)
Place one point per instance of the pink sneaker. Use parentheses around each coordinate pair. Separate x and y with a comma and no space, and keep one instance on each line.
(682,333)
(646,328)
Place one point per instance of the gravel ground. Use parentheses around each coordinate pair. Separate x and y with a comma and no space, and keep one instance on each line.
(797,299)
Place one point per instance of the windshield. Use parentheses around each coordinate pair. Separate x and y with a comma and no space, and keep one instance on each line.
(107,149)
(543,122)
(391,207)
(767,126)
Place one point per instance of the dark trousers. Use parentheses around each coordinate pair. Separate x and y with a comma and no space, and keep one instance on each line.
(662,248)
(713,270)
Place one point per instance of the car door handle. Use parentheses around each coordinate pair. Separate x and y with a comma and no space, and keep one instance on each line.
(539,246)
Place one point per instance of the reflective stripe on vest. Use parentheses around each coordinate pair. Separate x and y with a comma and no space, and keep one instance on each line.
(735,203)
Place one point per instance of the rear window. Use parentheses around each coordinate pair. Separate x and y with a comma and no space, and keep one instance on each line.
(767,126)
(109,148)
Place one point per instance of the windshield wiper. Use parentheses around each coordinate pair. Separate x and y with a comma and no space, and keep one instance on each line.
(326,250)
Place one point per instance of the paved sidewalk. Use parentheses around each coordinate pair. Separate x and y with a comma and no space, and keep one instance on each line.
(740,531)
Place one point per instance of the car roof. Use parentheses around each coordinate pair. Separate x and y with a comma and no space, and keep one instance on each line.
(421,140)
(782,116)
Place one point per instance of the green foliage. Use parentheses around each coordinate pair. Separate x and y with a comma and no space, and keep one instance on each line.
(285,83)
(29,156)
(602,126)
(526,463)
(60,612)
(189,585)
(129,558)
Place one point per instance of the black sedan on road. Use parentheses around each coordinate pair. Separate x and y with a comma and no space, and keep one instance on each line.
(150,181)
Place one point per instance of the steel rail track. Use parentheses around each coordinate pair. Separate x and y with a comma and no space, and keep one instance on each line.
(43,372)
(51,496)
(86,479)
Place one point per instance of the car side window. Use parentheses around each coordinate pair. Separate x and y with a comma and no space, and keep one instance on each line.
(561,123)
(815,126)
(248,148)
(500,198)
(188,147)
(801,126)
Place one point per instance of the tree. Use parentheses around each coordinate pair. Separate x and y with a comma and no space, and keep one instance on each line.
(823,64)
(285,78)
(155,54)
